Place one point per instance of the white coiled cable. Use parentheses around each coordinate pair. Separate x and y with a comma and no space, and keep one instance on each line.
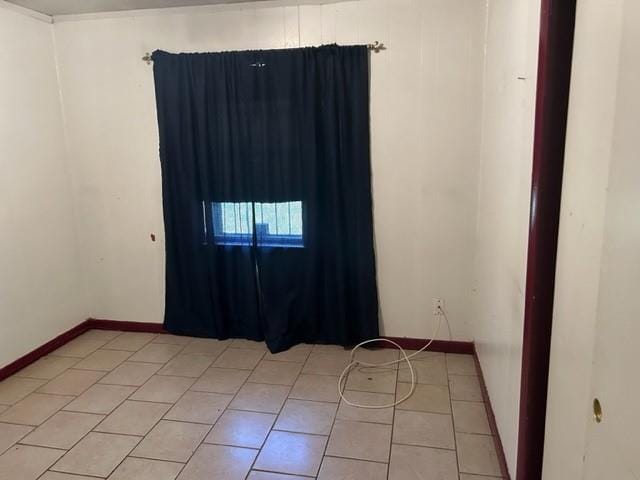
(405,358)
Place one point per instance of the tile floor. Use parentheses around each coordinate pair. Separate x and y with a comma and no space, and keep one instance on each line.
(140,406)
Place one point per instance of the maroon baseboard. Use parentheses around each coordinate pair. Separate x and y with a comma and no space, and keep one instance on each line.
(43,350)
(446,346)
(492,420)
(101,324)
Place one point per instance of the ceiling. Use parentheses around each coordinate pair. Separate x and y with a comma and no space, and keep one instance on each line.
(65,7)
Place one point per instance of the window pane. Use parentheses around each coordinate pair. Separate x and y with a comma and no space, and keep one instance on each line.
(232,223)
(277,224)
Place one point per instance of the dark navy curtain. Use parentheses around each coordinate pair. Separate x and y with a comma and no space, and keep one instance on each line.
(266,183)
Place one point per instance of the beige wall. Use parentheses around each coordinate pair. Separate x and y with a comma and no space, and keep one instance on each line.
(425,109)
(503,205)
(40,290)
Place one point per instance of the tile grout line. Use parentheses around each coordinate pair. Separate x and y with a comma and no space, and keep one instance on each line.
(393,417)
(47,381)
(184,464)
(453,421)
(277,415)
(104,417)
(202,442)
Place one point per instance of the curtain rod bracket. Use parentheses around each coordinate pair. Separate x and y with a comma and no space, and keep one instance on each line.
(147,58)
(376,46)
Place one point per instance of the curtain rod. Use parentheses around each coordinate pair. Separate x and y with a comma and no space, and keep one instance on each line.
(374,47)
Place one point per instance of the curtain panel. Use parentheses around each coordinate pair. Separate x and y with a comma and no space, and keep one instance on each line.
(266,181)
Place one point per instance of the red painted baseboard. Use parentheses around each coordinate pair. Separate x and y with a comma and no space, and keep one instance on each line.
(100,324)
(446,346)
(43,350)
(103,324)
(492,420)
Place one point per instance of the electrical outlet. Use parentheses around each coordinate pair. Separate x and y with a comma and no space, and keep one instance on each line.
(438,306)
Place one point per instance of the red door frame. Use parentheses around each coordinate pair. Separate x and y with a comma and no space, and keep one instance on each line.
(557,22)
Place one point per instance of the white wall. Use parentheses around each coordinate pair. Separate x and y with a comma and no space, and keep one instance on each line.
(595,328)
(40,290)
(503,206)
(425,107)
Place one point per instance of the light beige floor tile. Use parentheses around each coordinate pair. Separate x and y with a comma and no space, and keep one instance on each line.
(467,476)
(130,341)
(133,418)
(171,441)
(156,353)
(425,398)
(248,344)
(378,380)
(63,430)
(217,461)
(103,335)
(164,389)
(326,363)
(424,356)
(100,398)
(260,397)
(423,429)
(242,358)
(431,370)
(47,368)
(14,389)
(465,388)
(131,373)
(241,429)
(374,415)
(348,469)
(477,454)
(297,353)
(378,355)
(256,475)
(418,463)
(360,440)
(173,339)
(144,469)
(470,417)
(458,364)
(221,380)
(79,347)
(34,409)
(187,366)
(71,382)
(303,416)
(330,349)
(10,434)
(24,462)
(295,453)
(105,360)
(97,454)
(63,476)
(207,346)
(278,373)
(199,407)
(321,388)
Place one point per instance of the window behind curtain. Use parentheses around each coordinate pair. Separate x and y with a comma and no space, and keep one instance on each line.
(277,224)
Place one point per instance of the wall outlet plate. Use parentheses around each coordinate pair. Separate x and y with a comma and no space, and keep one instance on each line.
(438,306)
